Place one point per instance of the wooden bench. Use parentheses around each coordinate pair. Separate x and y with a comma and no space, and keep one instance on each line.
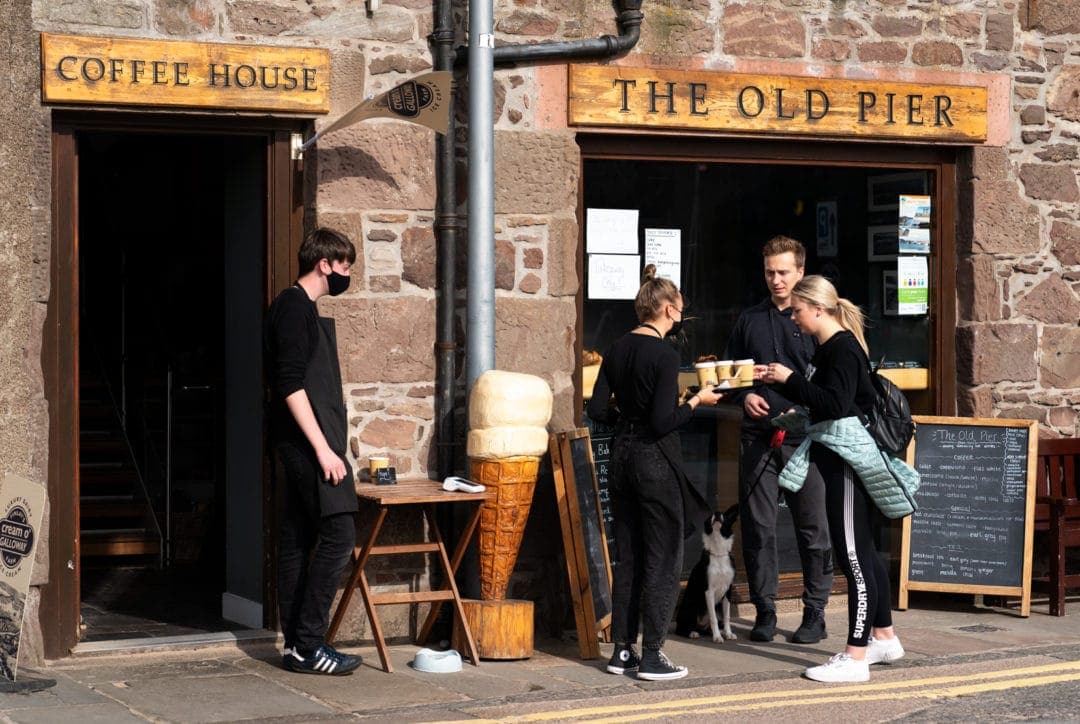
(1057,514)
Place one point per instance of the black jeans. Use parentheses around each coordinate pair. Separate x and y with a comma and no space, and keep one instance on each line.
(313,551)
(854,523)
(758,513)
(647,507)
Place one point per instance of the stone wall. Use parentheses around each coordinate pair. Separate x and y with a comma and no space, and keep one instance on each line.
(24,266)
(1019,255)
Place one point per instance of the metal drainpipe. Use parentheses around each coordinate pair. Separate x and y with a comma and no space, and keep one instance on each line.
(480,293)
(447,221)
(447,225)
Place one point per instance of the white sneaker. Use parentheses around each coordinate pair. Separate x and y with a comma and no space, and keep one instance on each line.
(840,668)
(884,651)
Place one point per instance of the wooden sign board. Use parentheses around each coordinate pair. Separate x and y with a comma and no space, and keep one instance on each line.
(699,100)
(584,540)
(974,527)
(168,73)
(22,508)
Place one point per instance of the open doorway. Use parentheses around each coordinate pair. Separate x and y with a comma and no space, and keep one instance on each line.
(172,269)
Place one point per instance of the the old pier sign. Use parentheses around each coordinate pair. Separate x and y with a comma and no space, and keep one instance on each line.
(775,105)
(166,73)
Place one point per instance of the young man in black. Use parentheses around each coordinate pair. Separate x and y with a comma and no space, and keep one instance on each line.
(766,333)
(317,532)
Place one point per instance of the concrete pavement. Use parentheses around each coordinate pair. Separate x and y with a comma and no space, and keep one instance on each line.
(244,681)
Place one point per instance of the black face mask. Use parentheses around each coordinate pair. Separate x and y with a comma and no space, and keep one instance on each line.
(338,283)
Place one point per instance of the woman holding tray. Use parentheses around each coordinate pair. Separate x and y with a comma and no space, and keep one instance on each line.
(837,385)
(653,500)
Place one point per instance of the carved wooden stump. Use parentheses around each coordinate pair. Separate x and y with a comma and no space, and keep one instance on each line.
(502,629)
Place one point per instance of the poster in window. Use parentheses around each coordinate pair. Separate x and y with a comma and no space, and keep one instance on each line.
(882,243)
(611,231)
(913,285)
(614,276)
(827,243)
(914,224)
(883,192)
(663,247)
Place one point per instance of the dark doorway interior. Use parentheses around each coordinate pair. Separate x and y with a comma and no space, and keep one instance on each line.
(171,258)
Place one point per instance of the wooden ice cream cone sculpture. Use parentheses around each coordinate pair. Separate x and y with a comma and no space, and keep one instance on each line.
(502,520)
(508,416)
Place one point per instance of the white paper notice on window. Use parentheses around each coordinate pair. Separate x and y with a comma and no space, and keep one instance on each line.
(914,224)
(912,285)
(614,276)
(663,247)
(611,231)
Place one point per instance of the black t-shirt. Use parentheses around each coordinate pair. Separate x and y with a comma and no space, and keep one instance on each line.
(643,373)
(837,381)
(766,334)
(292,332)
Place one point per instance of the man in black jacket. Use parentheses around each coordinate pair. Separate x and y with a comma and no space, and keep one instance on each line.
(766,333)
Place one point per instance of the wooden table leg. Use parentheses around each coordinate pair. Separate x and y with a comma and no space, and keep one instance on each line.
(455,562)
(429,511)
(360,557)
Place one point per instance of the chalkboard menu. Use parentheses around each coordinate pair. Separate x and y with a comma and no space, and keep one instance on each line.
(602,437)
(972,531)
(584,541)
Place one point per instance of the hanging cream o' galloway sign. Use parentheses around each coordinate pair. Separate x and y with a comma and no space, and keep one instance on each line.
(22,508)
(167,73)
(701,100)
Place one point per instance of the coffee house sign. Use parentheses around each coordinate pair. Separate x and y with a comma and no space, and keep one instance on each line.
(785,105)
(135,72)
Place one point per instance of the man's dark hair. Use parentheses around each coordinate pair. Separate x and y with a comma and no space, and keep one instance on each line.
(323,243)
(781,244)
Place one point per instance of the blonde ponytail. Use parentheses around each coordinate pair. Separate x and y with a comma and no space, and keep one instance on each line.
(818,291)
(654,293)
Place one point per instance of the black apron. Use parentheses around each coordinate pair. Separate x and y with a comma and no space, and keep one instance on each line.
(323,387)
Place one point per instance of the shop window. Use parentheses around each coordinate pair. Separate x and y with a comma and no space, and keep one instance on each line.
(869,229)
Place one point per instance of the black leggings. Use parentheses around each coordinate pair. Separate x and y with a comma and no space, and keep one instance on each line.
(854,525)
(647,505)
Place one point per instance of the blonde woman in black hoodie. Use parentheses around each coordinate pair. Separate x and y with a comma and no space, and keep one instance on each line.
(653,500)
(837,385)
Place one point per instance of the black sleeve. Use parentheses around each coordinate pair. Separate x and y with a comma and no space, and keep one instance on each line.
(599,407)
(294,336)
(835,398)
(665,413)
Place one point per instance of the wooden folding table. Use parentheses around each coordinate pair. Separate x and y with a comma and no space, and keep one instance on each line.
(410,492)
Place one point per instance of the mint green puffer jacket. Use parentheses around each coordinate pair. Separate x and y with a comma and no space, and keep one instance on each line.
(891,483)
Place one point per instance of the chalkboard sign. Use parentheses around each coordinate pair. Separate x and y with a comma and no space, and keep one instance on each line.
(973,530)
(602,437)
(584,540)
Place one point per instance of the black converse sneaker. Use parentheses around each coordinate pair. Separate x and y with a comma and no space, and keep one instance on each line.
(623,659)
(655,666)
(324,660)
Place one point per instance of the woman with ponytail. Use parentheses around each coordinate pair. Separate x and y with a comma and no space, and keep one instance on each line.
(653,500)
(837,385)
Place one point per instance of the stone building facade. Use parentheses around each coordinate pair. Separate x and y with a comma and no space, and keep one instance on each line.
(1018,255)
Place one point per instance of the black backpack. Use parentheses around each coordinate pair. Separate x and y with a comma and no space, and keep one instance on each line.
(889,423)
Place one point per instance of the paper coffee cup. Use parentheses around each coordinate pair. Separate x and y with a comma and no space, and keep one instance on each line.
(706,374)
(743,369)
(375,462)
(723,369)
